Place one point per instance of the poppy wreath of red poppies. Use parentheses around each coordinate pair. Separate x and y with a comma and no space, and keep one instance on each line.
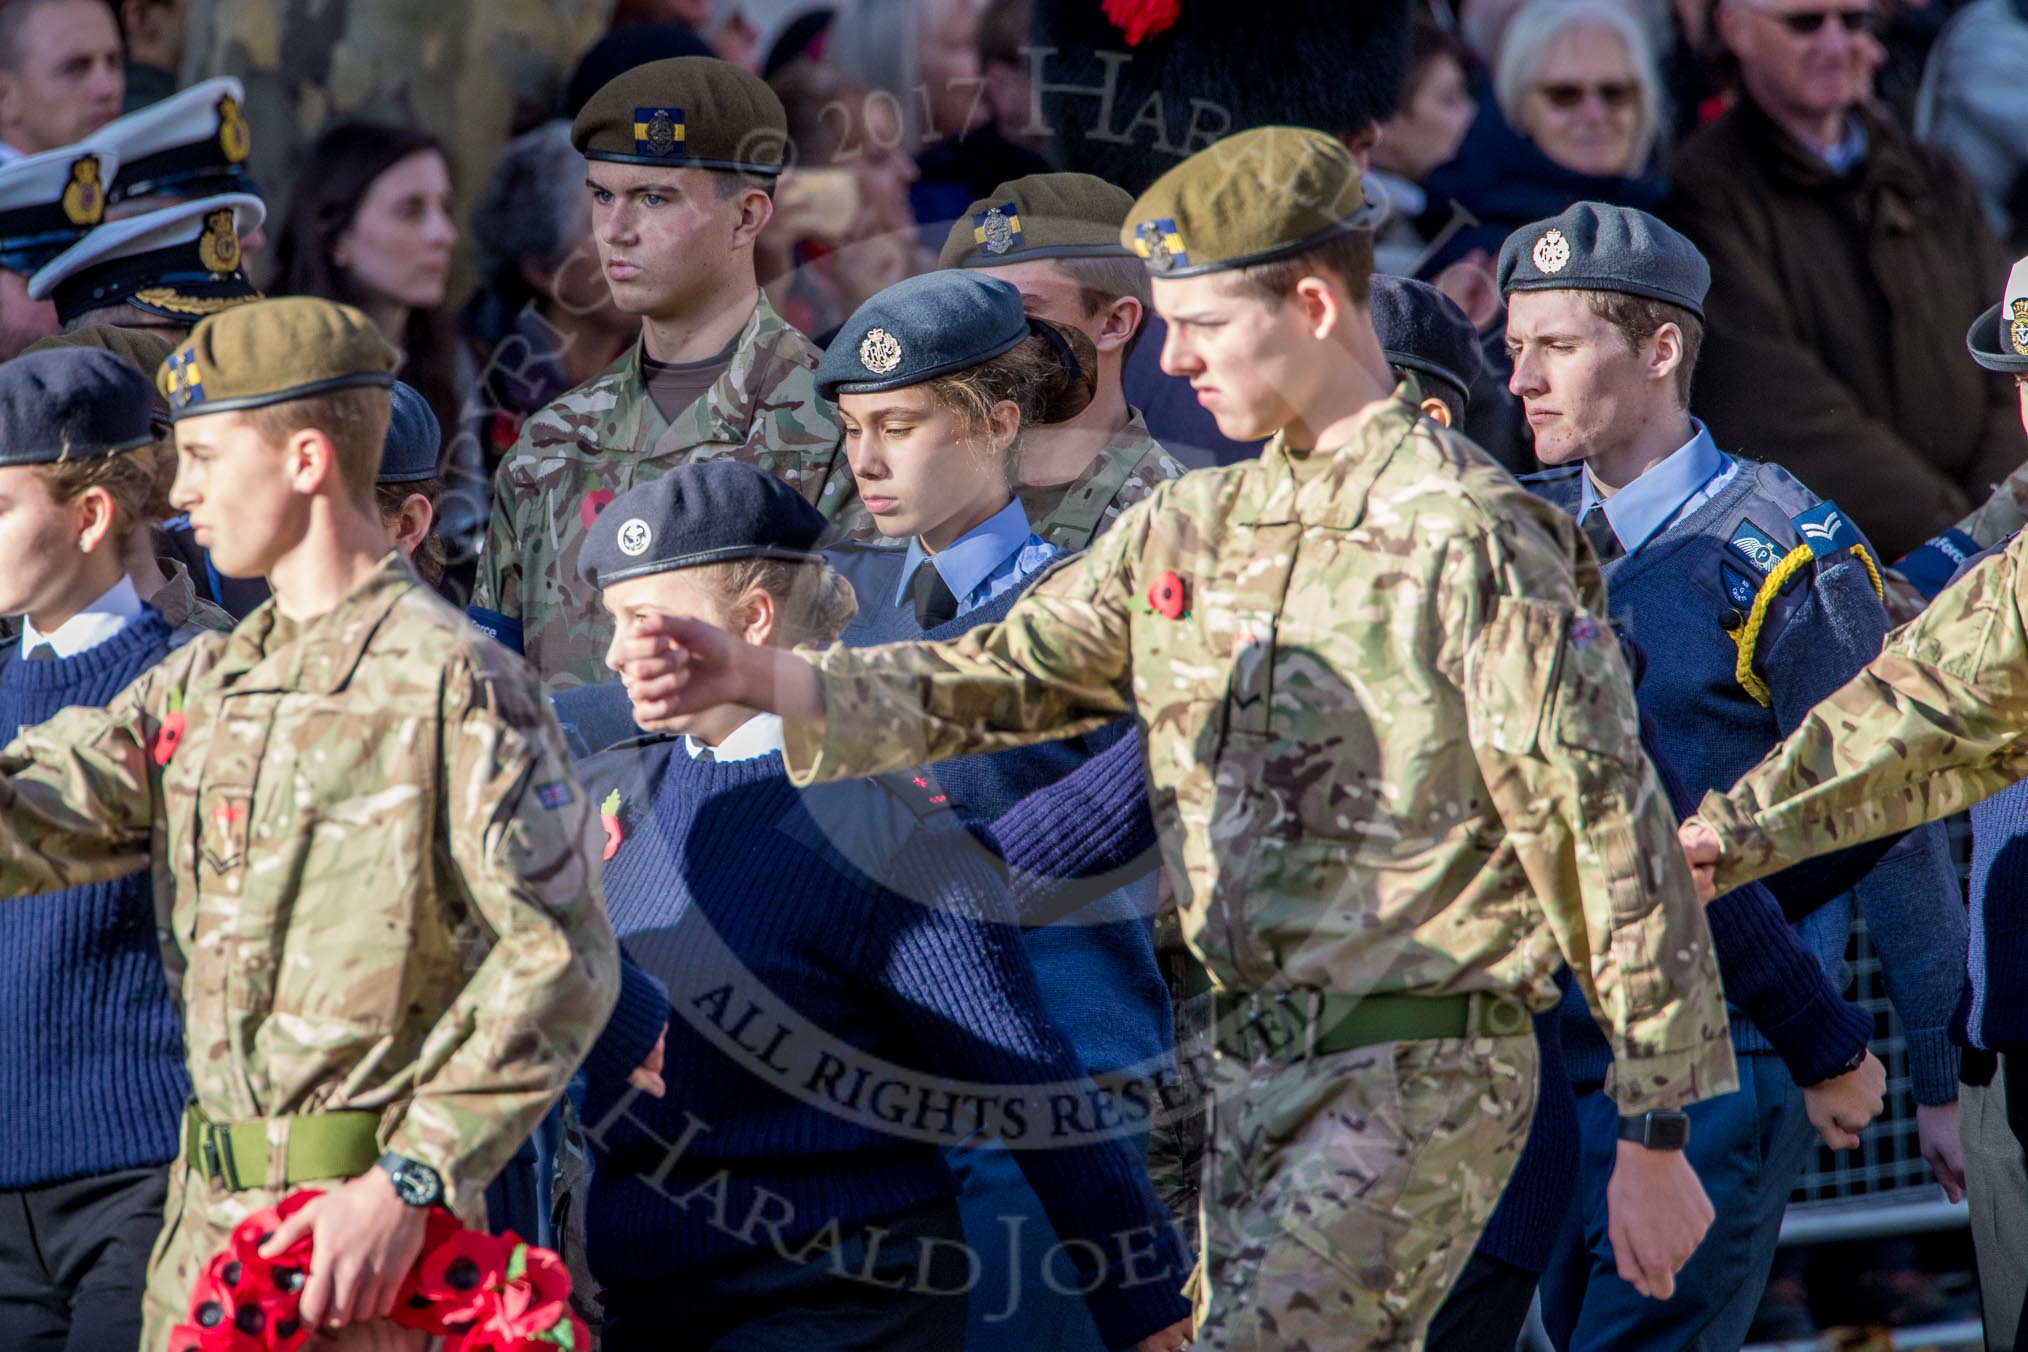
(479,1292)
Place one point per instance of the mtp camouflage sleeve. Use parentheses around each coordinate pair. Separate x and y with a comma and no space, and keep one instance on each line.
(1557,738)
(1056,666)
(520,836)
(80,795)
(1930,726)
(497,586)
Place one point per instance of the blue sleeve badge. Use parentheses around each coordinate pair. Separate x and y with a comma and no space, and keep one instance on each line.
(1826,530)
(1739,588)
(1756,546)
(555,794)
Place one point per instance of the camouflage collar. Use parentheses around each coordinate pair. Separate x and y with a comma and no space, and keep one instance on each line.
(1337,495)
(180,604)
(726,411)
(318,656)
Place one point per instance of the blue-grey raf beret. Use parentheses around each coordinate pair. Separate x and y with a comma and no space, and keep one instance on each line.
(920,329)
(1424,330)
(709,511)
(72,403)
(1596,247)
(414,439)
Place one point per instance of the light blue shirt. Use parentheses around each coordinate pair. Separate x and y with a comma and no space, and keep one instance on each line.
(1845,156)
(999,553)
(1691,476)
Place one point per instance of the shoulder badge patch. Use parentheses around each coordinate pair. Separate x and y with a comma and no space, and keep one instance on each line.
(1756,546)
(555,794)
(1739,588)
(1826,530)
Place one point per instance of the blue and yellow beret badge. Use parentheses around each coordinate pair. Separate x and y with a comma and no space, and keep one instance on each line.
(235,138)
(658,131)
(1160,244)
(2017,328)
(84,197)
(186,386)
(218,246)
(997,229)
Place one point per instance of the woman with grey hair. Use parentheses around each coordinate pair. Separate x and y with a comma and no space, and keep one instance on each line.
(1576,116)
(541,320)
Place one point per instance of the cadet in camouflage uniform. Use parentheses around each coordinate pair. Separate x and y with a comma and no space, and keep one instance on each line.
(682,153)
(1055,238)
(373,868)
(1394,764)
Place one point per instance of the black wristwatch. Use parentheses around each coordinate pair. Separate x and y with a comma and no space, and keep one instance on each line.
(1858,1060)
(414,1182)
(1658,1130)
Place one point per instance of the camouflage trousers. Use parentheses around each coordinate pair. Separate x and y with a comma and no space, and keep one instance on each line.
(197,1221)
(1345,1192)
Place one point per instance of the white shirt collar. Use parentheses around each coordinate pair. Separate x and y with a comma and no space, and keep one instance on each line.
(759,736)
(101,620)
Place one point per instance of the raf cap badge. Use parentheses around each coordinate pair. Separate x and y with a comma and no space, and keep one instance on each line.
(879,352)
(218,246)
(1159,243)
(2017,330)
(1552,252)
(997,229)
(84,197)
(658,131)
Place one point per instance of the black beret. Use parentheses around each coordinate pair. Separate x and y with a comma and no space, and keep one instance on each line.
(70,404)
(1424,330)
(708,511)
(414,439)
(1597,247)
(922,328)
(688,112)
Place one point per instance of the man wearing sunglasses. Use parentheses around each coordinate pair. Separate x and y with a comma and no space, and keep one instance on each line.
(1847,260)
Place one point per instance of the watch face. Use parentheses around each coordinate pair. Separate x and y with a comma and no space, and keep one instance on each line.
(417,1184)
(1668,1131)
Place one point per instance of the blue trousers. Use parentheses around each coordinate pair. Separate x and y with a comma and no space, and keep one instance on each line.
(1027,1299)
(1748,1148)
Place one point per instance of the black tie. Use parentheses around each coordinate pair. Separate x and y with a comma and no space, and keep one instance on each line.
(935,604)
(41,652)
(1599,531)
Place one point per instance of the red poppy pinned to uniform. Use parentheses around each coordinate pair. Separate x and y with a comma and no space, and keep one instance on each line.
(594,502)
(1140,20)
(170,734)
(609,817)
(1168,598)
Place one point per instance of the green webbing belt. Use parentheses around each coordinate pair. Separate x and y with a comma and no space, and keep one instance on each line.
(320,1145)
(1315,1023)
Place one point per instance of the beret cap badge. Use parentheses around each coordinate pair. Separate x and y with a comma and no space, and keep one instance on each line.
(635,537)
(1552,252)
(658,131)
(2017,329)
(879,352)
(1158,242)
(998,229)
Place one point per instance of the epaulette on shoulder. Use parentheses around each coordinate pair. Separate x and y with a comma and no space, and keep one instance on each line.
(1819,535)
(919,792)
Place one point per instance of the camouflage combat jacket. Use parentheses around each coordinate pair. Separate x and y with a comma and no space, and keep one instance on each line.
(1126,469)
(1391,746)
(376,871)
(606,436)
(1927,728)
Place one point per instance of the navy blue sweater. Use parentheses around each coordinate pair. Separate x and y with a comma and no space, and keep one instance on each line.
(878,933)
(91,1049)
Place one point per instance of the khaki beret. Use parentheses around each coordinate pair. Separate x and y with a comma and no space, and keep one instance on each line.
(269,351)
(1251,198)
(1040,216)
(688,112)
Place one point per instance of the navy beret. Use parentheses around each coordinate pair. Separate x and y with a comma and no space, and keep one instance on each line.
(1424,330)
(709,511)
(1596,247)
(414,439)
(70,403)
(922,328)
